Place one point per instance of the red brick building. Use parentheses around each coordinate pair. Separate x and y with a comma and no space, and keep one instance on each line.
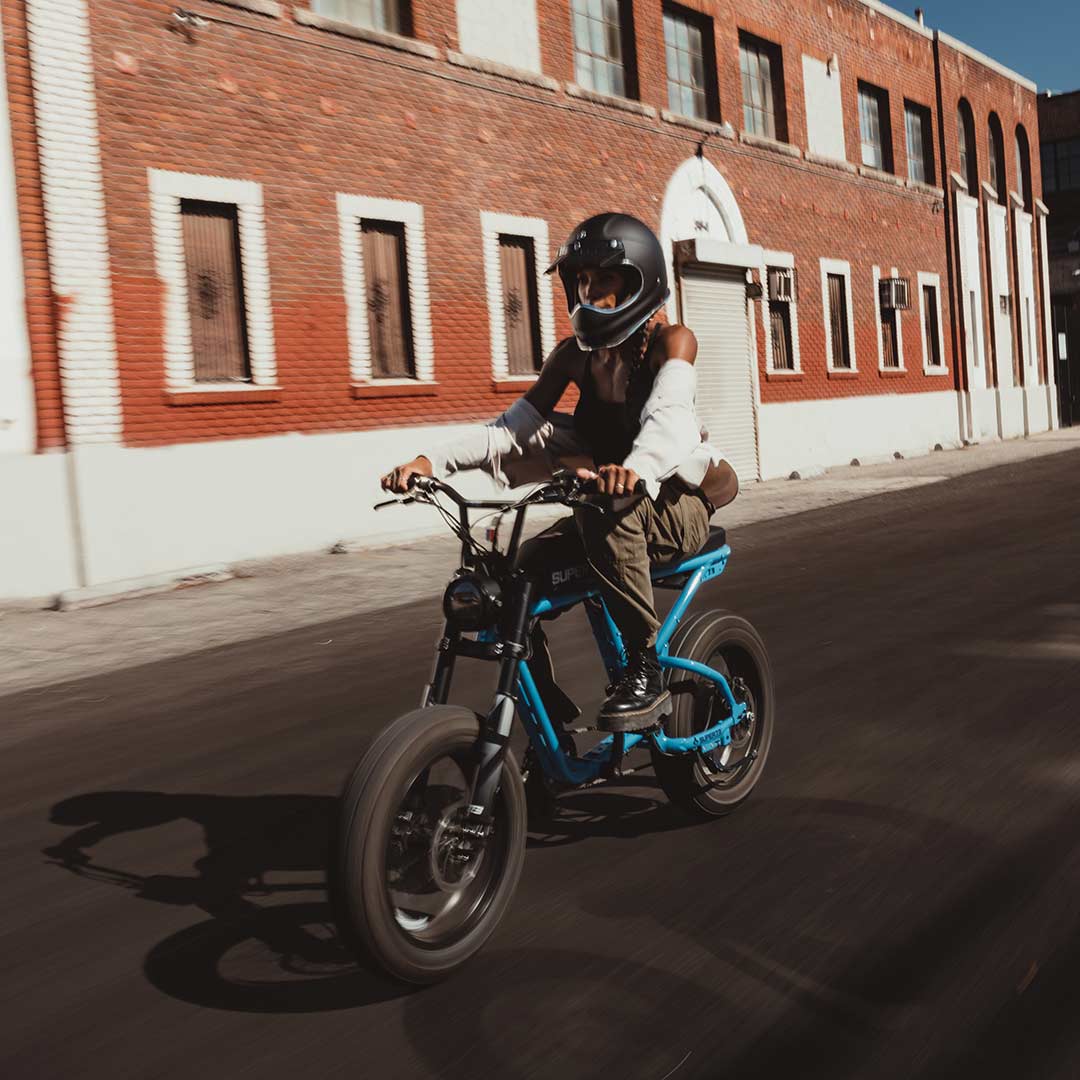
(268,249)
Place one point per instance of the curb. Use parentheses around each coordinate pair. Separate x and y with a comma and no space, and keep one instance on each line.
(129,589)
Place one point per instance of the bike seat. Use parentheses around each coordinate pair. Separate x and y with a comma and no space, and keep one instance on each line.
(667,574)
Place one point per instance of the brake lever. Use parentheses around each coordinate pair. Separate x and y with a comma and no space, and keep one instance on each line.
(395,502)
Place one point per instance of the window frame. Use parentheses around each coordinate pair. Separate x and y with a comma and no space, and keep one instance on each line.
(969,158)
(842,268)
(780,260)
(922,115)
(168,190)
(879,311)
(627,46)
(492,226)
(775,53)
(401,8)
(353,210)
(997,171)
(710,91)
(880,97)
(924,278)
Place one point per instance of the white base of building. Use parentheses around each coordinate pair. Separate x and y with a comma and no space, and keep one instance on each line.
(146,512)
(1010,410)
(803,434)
(107,514)
(1037,412)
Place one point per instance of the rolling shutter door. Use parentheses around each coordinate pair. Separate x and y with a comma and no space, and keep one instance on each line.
(714,307)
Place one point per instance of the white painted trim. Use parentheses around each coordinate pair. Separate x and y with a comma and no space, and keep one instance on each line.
(73,193)
(492,226)
(876,274)
(837,266)
(17,417)
(1048,333)
(923,278)
(167,191)
(696,175)
(352,209)
(783,260)
(985,60)
(710,250)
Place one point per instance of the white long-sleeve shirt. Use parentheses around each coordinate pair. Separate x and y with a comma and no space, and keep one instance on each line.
(671,441)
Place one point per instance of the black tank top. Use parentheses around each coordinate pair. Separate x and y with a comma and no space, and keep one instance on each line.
(609,428)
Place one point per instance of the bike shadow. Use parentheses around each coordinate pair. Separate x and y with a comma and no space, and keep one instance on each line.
(256,849)
(624,809)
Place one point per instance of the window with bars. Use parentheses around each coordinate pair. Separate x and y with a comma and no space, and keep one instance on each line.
(920,145)
(874,133)
(761,67)
(392,16)
(890,339)
(783,352)
(691,71)
(215,291)
(838,322)
(603,47)
(930,325)
(386,278)
(521,308)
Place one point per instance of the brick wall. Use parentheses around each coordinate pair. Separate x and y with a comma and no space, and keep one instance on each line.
(309,113)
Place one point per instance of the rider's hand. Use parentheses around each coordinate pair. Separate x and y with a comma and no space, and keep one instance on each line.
(611,479)
(398,479)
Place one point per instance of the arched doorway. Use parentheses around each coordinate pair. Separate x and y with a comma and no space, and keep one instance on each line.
(709,296)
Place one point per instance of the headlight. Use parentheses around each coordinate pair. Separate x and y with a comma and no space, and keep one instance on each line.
(472,602)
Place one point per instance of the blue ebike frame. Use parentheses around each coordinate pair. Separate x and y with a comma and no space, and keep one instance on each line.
(569,769)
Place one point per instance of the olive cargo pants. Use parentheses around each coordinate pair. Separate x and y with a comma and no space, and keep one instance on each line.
(619,549)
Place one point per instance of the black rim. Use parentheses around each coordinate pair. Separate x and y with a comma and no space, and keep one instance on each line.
(440,878)
(726,766)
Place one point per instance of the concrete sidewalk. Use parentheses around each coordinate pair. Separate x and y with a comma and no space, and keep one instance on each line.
(41,648)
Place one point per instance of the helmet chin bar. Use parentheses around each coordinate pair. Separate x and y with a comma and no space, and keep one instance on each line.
(590,322)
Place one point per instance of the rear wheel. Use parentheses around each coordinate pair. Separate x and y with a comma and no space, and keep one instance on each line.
(417,888)
(714,783)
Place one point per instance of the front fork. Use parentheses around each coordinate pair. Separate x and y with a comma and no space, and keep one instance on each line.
(494,741)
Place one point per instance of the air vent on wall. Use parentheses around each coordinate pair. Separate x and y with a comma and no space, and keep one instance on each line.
(782,284)
(894,293)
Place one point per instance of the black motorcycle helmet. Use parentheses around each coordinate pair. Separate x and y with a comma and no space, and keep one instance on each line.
(613,241)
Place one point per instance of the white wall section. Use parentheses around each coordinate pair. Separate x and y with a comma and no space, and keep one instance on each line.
(824,109)
(501,30)
(832,431)
(70,153)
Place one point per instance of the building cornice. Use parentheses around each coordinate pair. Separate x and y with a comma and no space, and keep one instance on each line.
(898,16)
(986,61)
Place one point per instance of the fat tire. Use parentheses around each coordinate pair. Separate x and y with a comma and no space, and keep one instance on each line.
(368,804)
(680,775)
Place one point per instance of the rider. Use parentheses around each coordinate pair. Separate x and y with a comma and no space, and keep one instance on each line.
(634,421)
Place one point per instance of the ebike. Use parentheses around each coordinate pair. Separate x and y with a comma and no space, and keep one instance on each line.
(432,827)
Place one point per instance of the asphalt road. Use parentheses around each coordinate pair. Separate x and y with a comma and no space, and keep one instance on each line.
(900,897)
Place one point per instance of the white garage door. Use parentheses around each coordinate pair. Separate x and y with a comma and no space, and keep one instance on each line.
(714,307)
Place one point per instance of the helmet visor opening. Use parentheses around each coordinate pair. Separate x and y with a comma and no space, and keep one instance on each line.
(628,285)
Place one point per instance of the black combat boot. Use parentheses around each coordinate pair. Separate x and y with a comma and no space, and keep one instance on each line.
(638,700)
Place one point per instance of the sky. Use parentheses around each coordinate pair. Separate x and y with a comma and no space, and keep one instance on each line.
(1039,39)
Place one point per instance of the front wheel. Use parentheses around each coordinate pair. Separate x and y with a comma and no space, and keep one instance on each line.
(714,783)
(414,887)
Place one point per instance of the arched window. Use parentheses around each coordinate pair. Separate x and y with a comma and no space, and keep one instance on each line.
(1023,166)
(997,160)
(969,165)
